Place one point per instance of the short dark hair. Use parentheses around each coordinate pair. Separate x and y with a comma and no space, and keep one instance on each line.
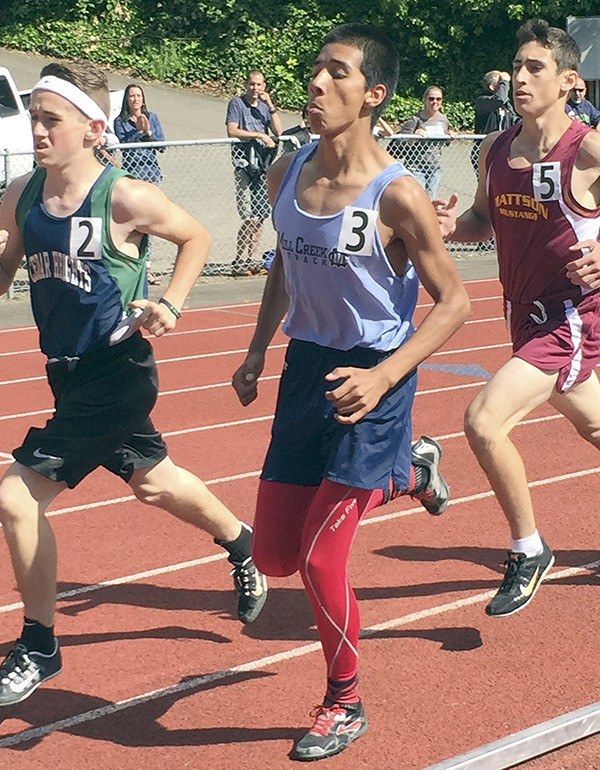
(380,62)
(564,49)
(86,76)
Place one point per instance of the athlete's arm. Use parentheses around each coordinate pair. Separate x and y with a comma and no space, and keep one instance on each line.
(11,243)
(474,224)
(141,207)
(584,269)
(235,132)
(273,307)
(406,210)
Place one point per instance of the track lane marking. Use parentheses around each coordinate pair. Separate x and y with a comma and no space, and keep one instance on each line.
(216,557)
(109,709)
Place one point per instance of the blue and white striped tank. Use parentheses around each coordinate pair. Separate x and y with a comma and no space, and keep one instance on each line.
(342,289)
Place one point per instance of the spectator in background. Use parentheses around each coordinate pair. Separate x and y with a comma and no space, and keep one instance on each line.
(136,124)
(425,162)
(493,109)
(298,135)
(251,117)
(382,129)
(580,108)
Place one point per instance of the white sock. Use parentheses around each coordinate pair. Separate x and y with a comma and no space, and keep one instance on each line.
(530,545)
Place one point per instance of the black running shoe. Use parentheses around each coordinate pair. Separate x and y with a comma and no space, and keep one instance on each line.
(22,672)
(522,580)
(427,454)
(334,728)
(251,588)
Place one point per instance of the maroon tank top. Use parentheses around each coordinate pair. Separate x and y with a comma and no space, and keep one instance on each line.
(535,217)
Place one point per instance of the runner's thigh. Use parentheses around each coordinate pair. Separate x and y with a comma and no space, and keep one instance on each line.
(515,389)
(581,405)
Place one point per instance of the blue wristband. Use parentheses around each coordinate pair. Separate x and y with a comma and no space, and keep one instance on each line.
(172,308)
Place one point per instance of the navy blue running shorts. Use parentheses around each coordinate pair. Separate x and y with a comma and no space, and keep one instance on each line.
(308,444)
(102,406)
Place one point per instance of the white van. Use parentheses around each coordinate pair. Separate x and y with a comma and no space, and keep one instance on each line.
(15,131)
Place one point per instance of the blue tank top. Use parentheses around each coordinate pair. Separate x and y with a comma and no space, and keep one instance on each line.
(342,288)
(80,283)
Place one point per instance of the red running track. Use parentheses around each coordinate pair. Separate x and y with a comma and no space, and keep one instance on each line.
(158,674)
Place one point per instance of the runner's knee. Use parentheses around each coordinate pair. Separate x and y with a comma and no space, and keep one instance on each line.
(479,428)
(274,563)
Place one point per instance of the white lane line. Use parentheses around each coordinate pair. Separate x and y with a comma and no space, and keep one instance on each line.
(483,320)
(194,388)
(34,733)
(216,557)
(491,298)
(184,333)
(216,354)
(220,353)
(263,418)
(20,352)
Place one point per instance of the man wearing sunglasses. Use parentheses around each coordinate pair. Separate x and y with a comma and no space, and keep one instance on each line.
(580,108)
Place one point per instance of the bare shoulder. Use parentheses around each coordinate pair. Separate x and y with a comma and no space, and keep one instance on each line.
(486,143)
(131,194)
(402,195)
(276,173)
(277,170)
(589,150)
(15,188)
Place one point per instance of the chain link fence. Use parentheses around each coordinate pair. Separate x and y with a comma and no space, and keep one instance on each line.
(231,200)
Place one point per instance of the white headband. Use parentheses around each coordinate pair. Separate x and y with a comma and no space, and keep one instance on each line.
(72,94)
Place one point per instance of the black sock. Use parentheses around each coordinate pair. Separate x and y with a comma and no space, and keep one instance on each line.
(421,479)
(37,638)
(344,692)
(240,548)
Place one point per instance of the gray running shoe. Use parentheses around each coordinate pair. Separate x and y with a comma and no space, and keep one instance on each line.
(427,454)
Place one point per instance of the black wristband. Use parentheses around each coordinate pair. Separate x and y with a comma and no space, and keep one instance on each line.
(273,110)
(172,308)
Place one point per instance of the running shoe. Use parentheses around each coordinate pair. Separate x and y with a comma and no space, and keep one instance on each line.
(427,453)
(251,588)
(522,580)
(334,728)
(22,672)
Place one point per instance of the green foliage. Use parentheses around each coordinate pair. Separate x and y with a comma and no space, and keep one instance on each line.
(450,43)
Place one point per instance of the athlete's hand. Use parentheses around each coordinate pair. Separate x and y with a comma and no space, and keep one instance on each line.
(585,270)
(3,241)
(155,317)
(358,394)
(447,214)
(245,379)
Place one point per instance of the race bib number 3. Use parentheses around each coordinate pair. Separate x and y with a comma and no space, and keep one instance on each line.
(546,181)
(86,238)
(357,231)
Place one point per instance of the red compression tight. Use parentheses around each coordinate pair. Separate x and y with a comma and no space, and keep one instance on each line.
(311,529)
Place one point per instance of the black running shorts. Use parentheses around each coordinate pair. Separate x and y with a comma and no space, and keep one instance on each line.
(102,405)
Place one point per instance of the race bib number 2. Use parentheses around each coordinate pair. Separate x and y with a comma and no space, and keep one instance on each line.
(546,181)
(358,231)
(86,238)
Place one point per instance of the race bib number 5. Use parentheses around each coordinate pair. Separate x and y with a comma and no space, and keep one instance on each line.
(86,238)
(358,231)
(546,181)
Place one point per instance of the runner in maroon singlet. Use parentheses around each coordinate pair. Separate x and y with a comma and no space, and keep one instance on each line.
(539,196)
